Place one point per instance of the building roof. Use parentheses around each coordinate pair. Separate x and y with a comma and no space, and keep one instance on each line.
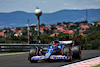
(98,23)
(82,24)
(19,31)
(1,33)
(85,27)
(52,35)
(69,31)
(71,24)
(12,29)
(8,34)
(64,25)
(4,31)
(59,27)
(42,28)
(81,34)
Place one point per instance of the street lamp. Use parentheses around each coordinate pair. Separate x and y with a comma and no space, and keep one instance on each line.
(38,13)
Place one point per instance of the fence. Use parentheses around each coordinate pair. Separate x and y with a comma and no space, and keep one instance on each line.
(18,47)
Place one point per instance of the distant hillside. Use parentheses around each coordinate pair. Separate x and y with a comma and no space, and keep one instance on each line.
(19,18)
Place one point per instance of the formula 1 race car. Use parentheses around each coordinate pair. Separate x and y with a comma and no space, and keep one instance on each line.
(66,50)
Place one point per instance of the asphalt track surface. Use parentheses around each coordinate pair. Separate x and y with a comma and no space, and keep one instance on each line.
(20,60)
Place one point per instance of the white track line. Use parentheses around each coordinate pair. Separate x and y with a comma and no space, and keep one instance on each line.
(12,54)
(86,63)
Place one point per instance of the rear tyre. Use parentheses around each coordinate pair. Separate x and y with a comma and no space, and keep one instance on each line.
(70,59)
(33,52)
(67,52)
(76,52)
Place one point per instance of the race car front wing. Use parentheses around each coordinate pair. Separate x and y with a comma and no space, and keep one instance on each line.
(54,57)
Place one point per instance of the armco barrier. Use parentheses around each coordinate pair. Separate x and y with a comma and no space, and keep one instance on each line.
(18,47)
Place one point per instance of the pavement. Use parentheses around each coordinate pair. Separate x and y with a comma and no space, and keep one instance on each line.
(21,60)
(86,63)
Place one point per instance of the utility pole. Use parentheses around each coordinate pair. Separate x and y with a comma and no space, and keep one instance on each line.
(28,30)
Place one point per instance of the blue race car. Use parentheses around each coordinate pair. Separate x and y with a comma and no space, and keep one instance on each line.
(65,50)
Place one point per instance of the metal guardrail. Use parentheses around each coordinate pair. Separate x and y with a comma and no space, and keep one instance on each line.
(4,47)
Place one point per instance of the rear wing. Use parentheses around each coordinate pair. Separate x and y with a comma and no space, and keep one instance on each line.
(66,42)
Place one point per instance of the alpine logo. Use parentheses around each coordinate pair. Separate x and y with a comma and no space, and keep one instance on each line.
(64,57)
(37,58)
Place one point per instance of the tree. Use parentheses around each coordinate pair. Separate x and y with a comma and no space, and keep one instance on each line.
(91,29)
(73,27)
(58,23)
(2,39)
(53,27)
(92,40)
(63,36)
(64,22)
(84,21)
(18,28)
(44,38)
(43,24)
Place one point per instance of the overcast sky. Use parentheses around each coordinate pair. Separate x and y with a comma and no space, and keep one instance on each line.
(47,6)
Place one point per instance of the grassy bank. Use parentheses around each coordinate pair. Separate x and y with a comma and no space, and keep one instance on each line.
(11,52)
(97,65)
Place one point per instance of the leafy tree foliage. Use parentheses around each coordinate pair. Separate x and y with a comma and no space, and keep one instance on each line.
(2,39)
(18,28)
(58,23)
(92,29)
(90,41)
(14,39)
(63,36)
(42,24)
(94,40)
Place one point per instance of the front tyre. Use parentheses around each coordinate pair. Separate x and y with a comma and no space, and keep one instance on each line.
(33,61)
(33,52)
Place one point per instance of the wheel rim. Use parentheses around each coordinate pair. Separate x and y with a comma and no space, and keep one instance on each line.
(80,52)
(71,58)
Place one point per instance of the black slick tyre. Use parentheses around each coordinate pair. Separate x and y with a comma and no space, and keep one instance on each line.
(32,52)
(67,52)
(76,52)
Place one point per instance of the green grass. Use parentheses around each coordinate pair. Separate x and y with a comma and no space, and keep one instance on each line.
(9,52)
(97,65)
